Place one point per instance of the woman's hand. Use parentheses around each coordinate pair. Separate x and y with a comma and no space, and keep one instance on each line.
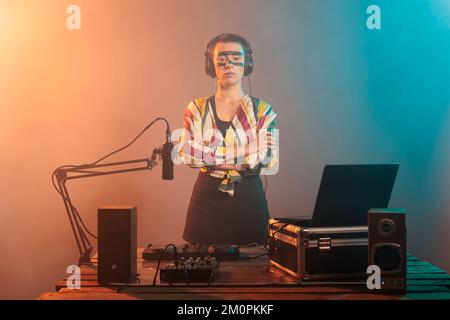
(266,141)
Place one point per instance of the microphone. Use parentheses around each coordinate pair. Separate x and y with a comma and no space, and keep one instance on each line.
(166,155)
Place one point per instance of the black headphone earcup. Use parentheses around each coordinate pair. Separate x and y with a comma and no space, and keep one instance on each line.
(212,71)
(248,65)
(209,65)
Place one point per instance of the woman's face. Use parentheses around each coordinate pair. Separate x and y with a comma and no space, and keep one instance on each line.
(229,63)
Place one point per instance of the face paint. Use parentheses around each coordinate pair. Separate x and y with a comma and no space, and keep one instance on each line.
(230,53)
(238,64)
(226,54)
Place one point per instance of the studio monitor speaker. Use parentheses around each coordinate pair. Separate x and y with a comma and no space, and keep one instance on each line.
(387,246)
(117,244)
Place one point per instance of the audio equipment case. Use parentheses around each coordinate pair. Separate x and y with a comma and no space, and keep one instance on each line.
(314,253)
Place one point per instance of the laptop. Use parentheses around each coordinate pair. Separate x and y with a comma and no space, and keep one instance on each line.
(346,194)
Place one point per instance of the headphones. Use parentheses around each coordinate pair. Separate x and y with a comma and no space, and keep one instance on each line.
(227,37)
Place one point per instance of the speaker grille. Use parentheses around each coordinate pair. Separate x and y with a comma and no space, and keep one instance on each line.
(388,257)
(386,227)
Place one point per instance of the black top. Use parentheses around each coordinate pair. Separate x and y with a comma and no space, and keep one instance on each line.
(221,125)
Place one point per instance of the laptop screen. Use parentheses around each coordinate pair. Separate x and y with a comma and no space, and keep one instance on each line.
(347,192)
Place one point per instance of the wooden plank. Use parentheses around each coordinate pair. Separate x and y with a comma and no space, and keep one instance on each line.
(224,290)
(87,290)
(432,276)
(429,271)
(209,296)
(423,266)
(413,285)
(89,277)
(412,258)
(418,263)
(204,290)
(274,275)
(225,277)
(84,296)
(426,288)
(88,271)
(62,284)
(429,282)
(424,269)
(248,290)
(428,296)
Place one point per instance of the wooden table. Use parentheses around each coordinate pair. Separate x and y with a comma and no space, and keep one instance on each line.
(251,279)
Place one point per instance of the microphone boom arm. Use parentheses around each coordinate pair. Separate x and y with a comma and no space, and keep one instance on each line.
(92,170)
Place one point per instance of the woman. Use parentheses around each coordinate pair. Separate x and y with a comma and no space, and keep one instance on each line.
(230,137)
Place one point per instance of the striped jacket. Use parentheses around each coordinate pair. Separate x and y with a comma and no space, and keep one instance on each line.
(203,146)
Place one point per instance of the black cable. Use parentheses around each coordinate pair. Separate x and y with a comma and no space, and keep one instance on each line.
(186,276)
(129,144)
(160,258)
(266,248)
(95,162)
(265,185)
(280,228)
(102,158)
(211,277)
(272,224)
(293,221)
(248,245)
(157,268)
(258,256)
(254,244)
(254,257)
(133,277)
(273,233)
(251,95)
